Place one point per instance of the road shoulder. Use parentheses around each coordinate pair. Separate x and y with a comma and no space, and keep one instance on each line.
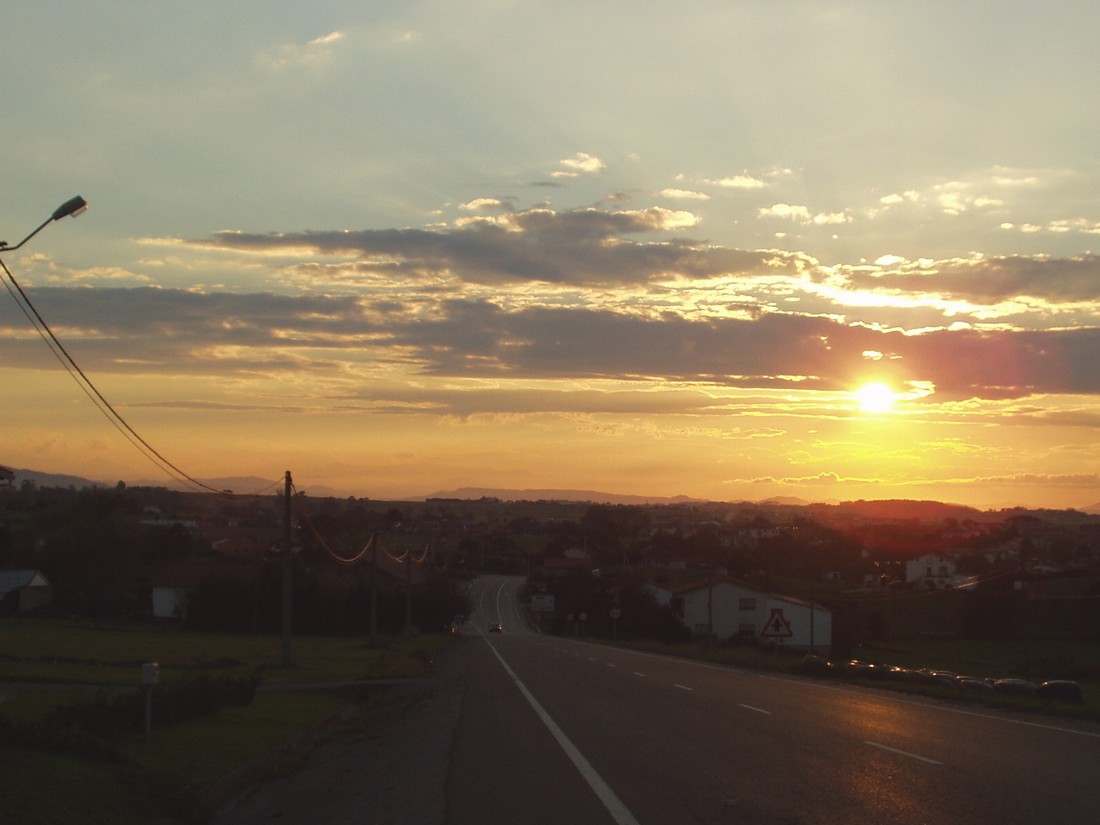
(394,771)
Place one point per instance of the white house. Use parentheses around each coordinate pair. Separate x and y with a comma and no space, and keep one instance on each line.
(728,609)
(24,590)
(932,571)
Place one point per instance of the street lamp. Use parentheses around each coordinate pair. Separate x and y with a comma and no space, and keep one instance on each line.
(70,208)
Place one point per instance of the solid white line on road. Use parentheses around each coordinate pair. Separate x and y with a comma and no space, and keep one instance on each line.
(684,687)
(901,753)
(619,812)
(756,710)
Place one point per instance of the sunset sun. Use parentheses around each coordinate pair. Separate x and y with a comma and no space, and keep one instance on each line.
(875,397)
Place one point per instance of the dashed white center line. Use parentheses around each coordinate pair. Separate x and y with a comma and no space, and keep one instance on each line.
(636,673)
(684,687)
(756,710)
(900,752)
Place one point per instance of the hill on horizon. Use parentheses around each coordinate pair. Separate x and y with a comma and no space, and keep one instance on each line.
(473,493)
(253,485)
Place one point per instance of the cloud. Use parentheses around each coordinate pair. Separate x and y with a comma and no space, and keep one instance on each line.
(144,330)
(293,55)
(988,280)
(608,295)
(801,214)
(478,204)
(584,162)
(580,247)
(685,194)
(738,182)
(1061,226)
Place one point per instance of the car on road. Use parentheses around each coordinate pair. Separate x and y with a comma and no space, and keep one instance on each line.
(496,628)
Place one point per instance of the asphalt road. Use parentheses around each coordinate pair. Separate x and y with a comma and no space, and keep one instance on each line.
(557,730)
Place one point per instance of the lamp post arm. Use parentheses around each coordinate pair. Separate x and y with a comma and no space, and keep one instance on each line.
(4,244)
(73,206)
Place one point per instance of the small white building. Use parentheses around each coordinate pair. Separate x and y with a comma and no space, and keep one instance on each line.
(726,609)
(23,591)
(934,572)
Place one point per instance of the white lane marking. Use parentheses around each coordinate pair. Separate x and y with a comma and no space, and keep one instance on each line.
(611,664)
(900,752)
(619,812)
(636,673)
(684,687)
(756,710)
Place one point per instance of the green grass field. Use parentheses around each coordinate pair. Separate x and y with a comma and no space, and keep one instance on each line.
(43,661)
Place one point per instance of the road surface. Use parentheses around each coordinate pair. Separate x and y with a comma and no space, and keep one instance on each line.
(527,728)
(557,730)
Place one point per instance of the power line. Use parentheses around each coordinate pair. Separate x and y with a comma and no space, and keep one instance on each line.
(90,389)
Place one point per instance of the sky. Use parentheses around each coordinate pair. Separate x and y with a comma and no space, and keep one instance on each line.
(399,248)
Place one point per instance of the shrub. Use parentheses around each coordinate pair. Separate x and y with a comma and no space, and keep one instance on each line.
(109,716)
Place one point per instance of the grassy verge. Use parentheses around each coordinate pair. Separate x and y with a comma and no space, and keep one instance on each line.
(136,779)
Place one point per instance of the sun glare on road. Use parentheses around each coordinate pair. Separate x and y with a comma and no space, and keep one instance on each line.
(875,398)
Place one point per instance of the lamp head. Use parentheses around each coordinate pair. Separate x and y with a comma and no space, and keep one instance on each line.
(70,208)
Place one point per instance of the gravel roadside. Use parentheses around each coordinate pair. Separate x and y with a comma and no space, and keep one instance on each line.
(395,773)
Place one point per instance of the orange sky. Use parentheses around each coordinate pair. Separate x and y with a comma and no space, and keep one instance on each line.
(418,250)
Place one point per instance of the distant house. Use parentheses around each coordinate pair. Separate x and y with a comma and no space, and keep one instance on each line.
(23,591)
(7,477)
(934,572)
(727,609)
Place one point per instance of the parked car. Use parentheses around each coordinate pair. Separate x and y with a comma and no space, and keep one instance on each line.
(973,683)
(1015,687)
(1061,691)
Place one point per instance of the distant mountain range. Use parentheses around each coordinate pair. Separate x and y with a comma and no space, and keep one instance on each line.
(55,480)
(245,485)
(557,495)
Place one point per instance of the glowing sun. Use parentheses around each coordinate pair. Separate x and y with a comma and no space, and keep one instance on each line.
(875,397)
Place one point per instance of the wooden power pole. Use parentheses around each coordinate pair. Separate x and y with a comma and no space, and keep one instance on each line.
(286,571)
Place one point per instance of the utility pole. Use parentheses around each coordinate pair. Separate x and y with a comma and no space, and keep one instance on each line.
(812,650)
(710,608)
(373,588)
(286,571)
(408,591)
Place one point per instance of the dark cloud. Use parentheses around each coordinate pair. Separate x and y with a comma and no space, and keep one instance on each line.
(994,279)
(161,330)
(148,329)
(773,350)
(581,247)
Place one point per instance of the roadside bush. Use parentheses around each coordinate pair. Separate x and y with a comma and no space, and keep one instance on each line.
(109,716)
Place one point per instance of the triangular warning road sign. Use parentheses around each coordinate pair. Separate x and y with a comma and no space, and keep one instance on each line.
(777,625)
